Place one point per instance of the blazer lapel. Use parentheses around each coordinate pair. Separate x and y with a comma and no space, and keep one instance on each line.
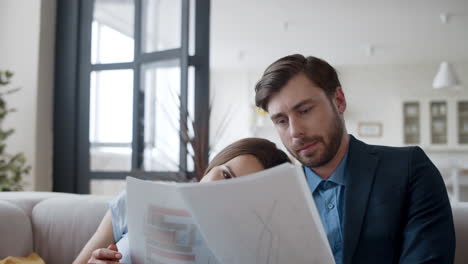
(360,178)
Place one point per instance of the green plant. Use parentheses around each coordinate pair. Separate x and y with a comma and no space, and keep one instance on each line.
(12,167)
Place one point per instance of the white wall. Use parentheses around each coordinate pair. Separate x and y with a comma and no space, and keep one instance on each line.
(374,93)
(232,108)
(27,31)
(377,93)
(44,116)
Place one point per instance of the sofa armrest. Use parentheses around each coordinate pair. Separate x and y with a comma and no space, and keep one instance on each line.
(16,237)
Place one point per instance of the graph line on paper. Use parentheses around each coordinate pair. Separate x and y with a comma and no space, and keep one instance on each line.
(268,241)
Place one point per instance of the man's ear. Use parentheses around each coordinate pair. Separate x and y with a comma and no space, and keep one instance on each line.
(339,100)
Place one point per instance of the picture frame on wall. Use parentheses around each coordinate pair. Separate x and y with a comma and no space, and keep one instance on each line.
(370,129)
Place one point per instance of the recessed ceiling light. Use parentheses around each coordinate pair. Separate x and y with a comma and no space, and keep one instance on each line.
(444,18)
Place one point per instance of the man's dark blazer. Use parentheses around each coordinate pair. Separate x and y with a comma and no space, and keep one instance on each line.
(396,208)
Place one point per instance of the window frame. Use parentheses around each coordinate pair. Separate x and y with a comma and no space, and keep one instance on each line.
(71,169)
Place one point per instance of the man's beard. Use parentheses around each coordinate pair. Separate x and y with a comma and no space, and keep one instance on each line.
(331,144)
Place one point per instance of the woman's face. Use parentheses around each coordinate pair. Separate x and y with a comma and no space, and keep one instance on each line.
(239,166)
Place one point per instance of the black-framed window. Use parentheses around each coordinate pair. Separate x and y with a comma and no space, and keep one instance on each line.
(127,74)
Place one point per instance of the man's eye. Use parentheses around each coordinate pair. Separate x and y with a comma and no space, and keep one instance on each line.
(304,111)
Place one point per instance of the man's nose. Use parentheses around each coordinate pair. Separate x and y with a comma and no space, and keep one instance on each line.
(296,128)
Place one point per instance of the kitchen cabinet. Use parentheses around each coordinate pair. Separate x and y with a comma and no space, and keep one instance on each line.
(463,122)
(436,123)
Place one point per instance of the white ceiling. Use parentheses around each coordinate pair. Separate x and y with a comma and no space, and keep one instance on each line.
(254,33)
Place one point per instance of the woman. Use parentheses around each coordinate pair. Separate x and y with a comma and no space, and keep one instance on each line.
(241,158)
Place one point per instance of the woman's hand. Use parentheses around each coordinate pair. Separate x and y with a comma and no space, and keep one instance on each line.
(109,255)
(103,236)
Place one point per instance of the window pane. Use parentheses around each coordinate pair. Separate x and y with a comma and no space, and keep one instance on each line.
(192,21)
(112,31)
(161,24)
(162,89)
(104,158)
(111,113)
(107,187)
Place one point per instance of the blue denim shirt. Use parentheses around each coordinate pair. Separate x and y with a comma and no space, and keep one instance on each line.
(328,195)
(118,210)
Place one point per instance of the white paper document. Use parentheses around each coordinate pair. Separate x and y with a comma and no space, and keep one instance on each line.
(265,218)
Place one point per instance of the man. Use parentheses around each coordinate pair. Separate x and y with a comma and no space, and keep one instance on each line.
(377,204)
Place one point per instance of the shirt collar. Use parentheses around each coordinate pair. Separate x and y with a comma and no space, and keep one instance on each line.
(338,176)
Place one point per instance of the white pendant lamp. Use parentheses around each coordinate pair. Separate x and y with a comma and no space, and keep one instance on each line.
(445,77)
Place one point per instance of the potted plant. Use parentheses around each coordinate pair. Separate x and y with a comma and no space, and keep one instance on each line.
(12,166)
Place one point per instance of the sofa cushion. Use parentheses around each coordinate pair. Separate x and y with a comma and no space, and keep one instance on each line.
(27,200)
(16,237)
(62,225)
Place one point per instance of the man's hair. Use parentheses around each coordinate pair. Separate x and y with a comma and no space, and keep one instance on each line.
(264,150)
(281,71)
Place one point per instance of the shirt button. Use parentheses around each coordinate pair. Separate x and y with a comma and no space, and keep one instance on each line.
(330,206)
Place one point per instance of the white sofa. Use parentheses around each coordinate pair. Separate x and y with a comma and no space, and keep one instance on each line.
(57,225)
(54,225)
